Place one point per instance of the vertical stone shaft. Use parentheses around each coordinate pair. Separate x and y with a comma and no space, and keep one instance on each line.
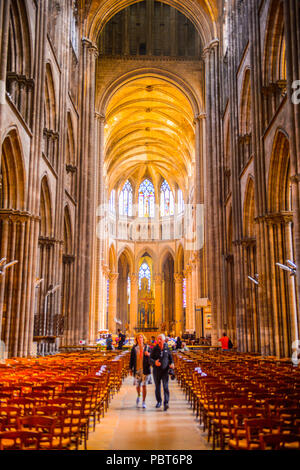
(133,302)
(178,304)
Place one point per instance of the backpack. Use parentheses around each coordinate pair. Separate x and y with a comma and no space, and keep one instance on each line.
(230,345)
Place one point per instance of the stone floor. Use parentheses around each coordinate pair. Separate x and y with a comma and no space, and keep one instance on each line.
(126,427)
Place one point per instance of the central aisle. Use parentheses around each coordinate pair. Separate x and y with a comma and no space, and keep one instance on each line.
(126,427)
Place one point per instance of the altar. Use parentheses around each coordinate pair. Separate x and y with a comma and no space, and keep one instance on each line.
(146,311)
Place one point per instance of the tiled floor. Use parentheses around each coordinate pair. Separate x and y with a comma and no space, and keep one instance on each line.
(126,427)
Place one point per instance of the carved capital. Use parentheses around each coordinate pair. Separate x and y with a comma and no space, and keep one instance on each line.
(178,278)
(68,259)
(113,277)
(71,169)
(187,271)
(279,218)
(295,178)
(100,117)
(248,242)
(134,278)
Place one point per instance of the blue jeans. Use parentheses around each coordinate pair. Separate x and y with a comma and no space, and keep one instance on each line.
(161,376)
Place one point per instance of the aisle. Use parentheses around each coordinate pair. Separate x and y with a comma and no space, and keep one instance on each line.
(126,427)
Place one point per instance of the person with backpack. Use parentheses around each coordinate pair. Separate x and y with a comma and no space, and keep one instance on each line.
(121,339)
(225,342)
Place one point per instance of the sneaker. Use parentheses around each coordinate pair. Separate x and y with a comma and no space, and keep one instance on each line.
(158,405)
(137,401)
(144,405)
(166,406)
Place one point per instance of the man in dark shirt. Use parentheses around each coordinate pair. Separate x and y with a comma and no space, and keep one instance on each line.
(161,360)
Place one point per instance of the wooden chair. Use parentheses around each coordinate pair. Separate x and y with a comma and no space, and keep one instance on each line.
(19,440)
(256,426)
(239,415)
(44,425)
(279,441)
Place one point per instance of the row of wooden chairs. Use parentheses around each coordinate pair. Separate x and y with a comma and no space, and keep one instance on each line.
(232,395)
(56,398)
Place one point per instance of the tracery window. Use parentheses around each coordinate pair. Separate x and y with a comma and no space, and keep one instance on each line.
(125,200)
(180,202)
(144,272)
(166,200)
(112,202)
(146,199)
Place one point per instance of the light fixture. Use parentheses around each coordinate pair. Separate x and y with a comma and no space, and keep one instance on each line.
(254,279)
(291,268)
(3,266)
(38,282)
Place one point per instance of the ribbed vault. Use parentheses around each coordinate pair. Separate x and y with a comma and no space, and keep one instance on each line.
(203,13)
(149,132)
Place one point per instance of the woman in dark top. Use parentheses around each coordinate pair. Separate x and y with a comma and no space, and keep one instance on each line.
(140,367)
(109,342)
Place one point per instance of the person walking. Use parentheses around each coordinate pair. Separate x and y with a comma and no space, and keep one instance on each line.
(121,339)
(224,340)
(109,343)
(161,359)
(139,366)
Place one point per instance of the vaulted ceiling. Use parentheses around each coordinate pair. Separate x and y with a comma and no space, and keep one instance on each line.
(203,13)
(149,132)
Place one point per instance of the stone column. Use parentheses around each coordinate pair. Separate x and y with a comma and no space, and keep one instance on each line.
(97,312)
(178,278)
(4,37)
(134,285)
(189,308)
(85,242)
(292,38)
(158,299)
(112,304)
(212,175)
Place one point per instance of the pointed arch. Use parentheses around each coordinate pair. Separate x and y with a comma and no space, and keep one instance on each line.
(164,256)
(70,153)
(150,252)
(146,198)
(245,105)
(12,173)
(126,199)
(50,109)
(249,207)
(46,224)
(274,67)
(179,259)
(127,253)
(19,40)
(68,232)
(112,259)
(278,181)
(166,200)
(229,231)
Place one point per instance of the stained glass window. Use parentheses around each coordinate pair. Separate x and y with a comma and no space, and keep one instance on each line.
(125,200)
(144,272)
(112,201)
(184,292)
(180,202)
(166,200)
(146,199)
